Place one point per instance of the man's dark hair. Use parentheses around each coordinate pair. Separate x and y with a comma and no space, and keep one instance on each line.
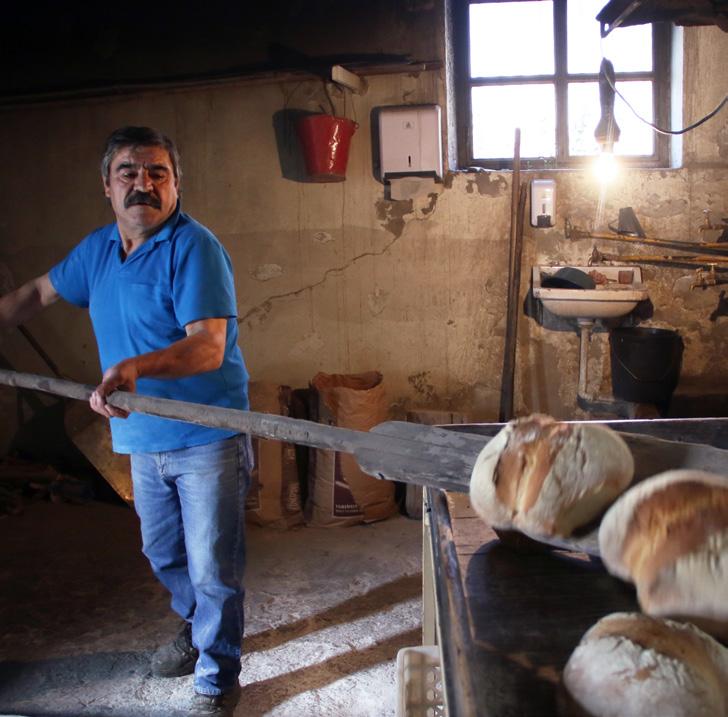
(138,137)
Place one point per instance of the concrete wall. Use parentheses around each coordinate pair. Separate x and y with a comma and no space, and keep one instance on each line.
(337,278)
(669,205)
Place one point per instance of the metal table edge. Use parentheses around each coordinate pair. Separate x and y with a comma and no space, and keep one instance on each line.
(454,630)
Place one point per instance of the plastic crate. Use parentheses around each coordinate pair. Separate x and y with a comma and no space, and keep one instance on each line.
(419,683)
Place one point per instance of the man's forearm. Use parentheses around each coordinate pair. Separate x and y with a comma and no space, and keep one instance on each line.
(23,303)
(193,354)
(203,349)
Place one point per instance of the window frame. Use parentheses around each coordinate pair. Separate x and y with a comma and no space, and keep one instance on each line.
(660,78)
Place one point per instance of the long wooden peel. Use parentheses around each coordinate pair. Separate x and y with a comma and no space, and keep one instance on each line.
(430,456)
(415,453)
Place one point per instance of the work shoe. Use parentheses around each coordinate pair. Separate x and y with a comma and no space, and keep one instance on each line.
(176,658)
(215,705)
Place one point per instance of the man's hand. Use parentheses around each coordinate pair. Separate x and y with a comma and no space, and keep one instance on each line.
(121,377)
(203,349)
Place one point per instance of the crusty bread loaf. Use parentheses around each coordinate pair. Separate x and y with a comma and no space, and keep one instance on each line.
(633,665)
(669,536)
(548,478)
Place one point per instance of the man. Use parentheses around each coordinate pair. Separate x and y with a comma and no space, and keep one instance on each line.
(160,292)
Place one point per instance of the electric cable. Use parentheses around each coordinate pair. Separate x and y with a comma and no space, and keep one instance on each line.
(660,130)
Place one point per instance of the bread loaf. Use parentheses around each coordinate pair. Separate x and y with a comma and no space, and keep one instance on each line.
(633,665)
(669,536)
(548,478)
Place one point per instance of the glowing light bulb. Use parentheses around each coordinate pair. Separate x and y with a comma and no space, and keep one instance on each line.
(605,168)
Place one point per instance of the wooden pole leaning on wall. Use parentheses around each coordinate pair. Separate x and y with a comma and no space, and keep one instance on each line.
(514,263)
(515,188)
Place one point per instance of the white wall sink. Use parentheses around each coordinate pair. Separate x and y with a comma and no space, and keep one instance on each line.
(607,301)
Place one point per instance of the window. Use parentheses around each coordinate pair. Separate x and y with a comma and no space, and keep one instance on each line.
(534,64)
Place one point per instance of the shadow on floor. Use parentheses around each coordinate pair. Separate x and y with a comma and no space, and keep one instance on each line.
(374,601)
(267,694)
(27,687)
(80,613)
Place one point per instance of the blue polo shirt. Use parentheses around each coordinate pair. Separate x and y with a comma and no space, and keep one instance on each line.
(180,275)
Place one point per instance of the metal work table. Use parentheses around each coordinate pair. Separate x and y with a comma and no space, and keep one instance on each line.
(506,614)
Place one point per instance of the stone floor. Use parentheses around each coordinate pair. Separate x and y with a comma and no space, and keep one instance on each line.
(327,610)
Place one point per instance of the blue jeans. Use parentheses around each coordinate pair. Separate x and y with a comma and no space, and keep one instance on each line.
(191,506)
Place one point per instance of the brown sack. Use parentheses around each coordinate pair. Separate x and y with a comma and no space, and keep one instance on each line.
(339,492)
(274,498)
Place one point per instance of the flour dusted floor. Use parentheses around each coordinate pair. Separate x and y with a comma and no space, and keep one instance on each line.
(327,610)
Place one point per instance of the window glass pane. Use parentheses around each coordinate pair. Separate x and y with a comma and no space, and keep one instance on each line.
(629,48)
(511,38)
(498,110)
(630,51)
(636,138)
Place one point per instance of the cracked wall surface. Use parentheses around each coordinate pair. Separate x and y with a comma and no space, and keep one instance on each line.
(336,277)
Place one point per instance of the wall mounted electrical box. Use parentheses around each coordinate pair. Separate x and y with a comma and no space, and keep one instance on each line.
(410,141)
(543,202)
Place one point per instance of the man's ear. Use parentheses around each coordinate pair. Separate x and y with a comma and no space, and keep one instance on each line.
(107,190)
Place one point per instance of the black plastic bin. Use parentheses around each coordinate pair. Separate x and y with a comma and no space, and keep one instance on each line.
(646,364)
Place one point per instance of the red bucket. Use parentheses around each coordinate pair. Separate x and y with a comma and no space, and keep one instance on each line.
(325,141)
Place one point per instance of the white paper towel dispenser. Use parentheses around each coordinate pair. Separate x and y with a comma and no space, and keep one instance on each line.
(410,141)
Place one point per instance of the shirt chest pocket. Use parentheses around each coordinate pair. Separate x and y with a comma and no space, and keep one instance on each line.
(149,309)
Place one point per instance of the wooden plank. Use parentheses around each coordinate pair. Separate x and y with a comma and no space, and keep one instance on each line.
(469,536)
(342,76)
(469,531)
(459,506)
(90,432)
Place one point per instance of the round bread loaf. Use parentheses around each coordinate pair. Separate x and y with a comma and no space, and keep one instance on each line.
(669,536)
(633,665)
(545,477)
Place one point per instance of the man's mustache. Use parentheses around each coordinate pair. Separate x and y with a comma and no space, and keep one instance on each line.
(142,198)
